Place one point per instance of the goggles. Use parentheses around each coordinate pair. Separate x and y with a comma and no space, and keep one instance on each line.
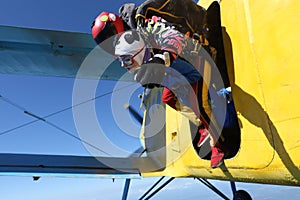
(128,60)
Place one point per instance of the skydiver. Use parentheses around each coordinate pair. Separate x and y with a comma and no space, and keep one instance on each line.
(109,24)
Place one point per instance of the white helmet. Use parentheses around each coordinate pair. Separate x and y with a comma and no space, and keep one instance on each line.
(131,43)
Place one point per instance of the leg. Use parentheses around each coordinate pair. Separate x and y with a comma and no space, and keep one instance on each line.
(168,97)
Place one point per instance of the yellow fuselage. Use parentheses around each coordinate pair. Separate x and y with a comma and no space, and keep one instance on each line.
(261,45)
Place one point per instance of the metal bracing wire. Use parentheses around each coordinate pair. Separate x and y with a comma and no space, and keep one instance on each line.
(43,119)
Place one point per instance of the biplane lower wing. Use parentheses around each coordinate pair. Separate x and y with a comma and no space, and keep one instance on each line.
(63,164)
(55,53)
(67,166)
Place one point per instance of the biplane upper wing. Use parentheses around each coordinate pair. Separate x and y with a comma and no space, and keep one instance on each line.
(55,53)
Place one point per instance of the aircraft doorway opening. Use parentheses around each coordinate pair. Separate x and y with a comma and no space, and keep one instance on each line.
(221,104)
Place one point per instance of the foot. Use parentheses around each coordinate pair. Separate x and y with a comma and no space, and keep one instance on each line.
(204,135)
(217,157)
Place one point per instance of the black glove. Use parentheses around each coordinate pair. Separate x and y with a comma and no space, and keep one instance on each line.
(151,73)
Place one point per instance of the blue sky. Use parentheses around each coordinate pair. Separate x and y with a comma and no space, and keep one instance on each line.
(45,95)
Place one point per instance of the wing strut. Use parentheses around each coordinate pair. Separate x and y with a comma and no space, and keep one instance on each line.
(157,190)
(150,189)
(126,188)
(212,187)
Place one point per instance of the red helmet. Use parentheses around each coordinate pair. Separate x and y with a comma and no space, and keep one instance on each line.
(106,25)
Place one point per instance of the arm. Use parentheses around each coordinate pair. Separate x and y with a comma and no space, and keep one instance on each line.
(186,69)
(180,75)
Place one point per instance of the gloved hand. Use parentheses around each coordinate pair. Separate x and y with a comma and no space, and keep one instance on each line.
(151,73)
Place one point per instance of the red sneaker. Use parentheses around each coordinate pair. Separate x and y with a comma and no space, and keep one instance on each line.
(217,156)
(204,135)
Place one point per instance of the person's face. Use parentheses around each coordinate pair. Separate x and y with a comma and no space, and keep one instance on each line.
(128,61)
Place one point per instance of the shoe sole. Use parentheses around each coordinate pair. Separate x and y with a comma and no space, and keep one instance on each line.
(218,165)
(205,139)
